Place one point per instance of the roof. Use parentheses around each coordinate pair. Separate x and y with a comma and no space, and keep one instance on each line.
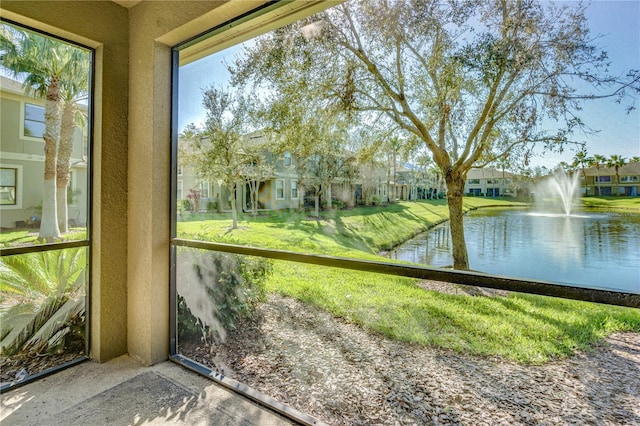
(10,85)
(488,173)
(629,169)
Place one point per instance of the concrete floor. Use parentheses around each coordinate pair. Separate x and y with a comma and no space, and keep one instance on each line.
(123,392)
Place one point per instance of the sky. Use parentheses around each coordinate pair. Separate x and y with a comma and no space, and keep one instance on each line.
(617,23)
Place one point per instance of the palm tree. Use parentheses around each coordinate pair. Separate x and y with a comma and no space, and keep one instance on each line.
(581,160)
(616,161)
(45,66)
(74,89)
(597,161)
(635,159)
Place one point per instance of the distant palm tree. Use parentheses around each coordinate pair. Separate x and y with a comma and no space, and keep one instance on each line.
(47,68)
(616,161)
(598,161)
(581,159)
(565,167)
(635,159)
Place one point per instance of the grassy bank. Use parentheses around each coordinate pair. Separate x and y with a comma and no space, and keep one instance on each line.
(624,204)
(526,328)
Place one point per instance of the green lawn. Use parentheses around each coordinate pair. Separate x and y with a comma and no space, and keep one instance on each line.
(612,203)
(525,328)
(30,236)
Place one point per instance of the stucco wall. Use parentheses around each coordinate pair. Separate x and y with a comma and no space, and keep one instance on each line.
(154,28)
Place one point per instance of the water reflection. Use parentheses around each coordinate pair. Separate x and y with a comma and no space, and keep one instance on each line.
(591,250)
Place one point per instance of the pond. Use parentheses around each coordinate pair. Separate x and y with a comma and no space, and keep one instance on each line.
(590,249)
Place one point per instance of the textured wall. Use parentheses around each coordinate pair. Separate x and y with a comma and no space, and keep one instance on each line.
(149,159)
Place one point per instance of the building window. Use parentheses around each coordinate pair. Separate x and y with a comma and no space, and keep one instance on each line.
(8,186)
(474,181)
(287,159)
(603,178)
(629,179)
(179,190)
(280,189)
(204,189)
(294,189)
(33,121)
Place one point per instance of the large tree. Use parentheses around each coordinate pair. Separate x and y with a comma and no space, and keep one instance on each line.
(215,151)
(471,81)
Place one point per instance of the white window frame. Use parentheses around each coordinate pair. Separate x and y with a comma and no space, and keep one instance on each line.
(279,181)
(179,194)
(204,186)
(23,106)
(19,187)
(287,159)
(294,187)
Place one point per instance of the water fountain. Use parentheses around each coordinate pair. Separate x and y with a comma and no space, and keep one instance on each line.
(558,194)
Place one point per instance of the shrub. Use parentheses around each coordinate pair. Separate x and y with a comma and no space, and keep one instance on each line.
(212,206)
(215,290)
(47,291)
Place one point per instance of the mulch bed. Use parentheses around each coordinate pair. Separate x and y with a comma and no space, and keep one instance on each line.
(344,375)
(24,364)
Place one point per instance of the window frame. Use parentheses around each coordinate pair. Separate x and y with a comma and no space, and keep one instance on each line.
(204,186)
(23,121)
(59,246)
(294,187)
(279,181)
(17,187)
(420,272)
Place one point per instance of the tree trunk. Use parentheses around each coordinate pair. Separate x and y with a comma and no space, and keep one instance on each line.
(234,209)
(455,189)
(253,196)
(301,194)
(328,196)
(49,229)
(316,199)
(63,163)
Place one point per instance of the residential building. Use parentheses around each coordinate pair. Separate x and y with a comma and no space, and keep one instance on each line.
(603,180)
(22,160)
(284,187)
(489,182)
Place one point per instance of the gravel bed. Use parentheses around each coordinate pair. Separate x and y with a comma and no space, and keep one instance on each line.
(343,375)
